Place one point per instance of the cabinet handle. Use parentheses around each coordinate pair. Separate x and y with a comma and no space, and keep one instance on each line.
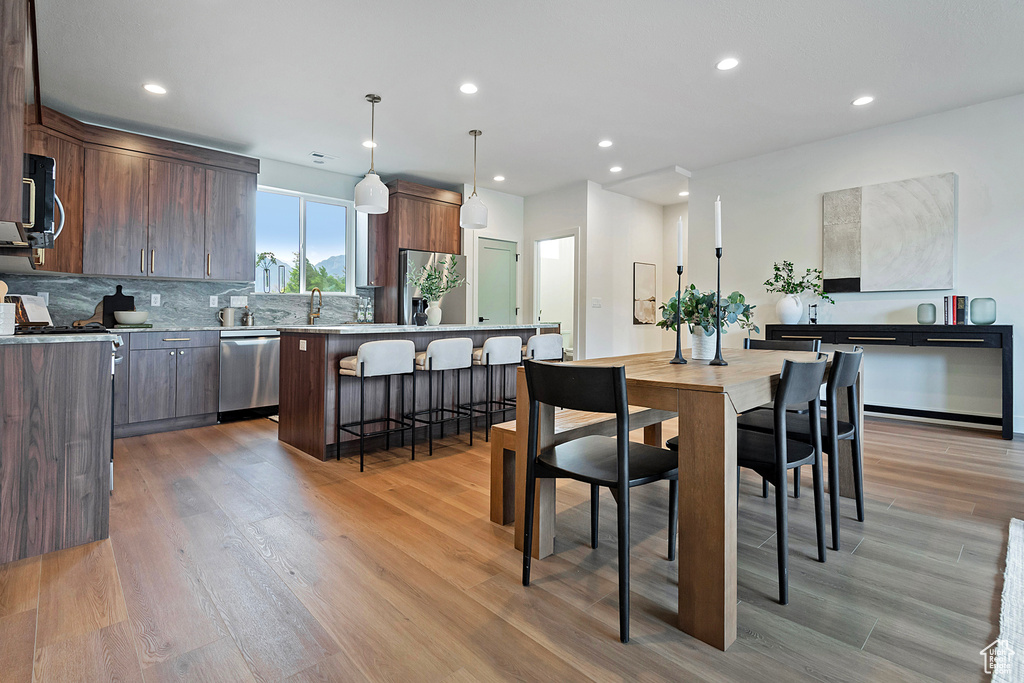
(179,339)
(872,338)
(152,260)
(976,341)
(207,264)
(142,261)
(31,202)
(798,336)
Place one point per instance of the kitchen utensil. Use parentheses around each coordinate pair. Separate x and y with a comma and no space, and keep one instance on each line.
(116,302)
(131,317)
(248,319)
(3,290)
(97,317)
(227,316)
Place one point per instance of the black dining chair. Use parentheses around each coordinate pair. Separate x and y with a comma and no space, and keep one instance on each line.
(834,428)
(771,455)
(613,462)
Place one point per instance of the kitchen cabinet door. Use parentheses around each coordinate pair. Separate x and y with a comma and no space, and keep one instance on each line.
(177,222)
(230,225)
(66,255)
(115,236)
(151,386)
(198,381)
(13,20)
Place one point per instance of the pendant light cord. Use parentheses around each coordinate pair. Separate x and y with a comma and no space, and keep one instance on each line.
(373,142)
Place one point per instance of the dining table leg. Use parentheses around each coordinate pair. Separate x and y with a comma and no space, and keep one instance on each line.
(544,502)
(707,517)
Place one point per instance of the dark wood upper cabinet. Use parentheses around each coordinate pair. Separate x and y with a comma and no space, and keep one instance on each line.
(230,225)
(66,255)
(177,224)
(197,381)
(115,227)
(419,217)
(13,24)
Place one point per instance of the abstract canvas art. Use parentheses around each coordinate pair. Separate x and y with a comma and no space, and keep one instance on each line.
(891,237)
(645,287)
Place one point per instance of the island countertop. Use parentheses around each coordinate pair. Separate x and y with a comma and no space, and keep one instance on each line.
(388,328)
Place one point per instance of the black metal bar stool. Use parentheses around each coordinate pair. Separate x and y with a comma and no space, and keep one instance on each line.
(543,347)
(453,355)
(497,353)
(385,359)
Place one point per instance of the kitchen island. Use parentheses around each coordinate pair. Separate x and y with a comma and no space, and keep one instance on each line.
(309,377)
(55,442)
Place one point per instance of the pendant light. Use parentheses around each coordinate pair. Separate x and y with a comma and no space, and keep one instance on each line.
(473,215)
(371,194)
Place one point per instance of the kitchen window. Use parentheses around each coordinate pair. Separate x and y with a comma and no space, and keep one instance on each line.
(303,241)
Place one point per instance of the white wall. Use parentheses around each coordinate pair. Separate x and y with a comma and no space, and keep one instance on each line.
(669,260)
(556,273)
(285,176)
(771,211)
(504,222)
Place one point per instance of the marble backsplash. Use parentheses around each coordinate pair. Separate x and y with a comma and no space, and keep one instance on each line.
(182,302)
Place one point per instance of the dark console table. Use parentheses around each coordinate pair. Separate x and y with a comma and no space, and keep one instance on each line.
(962,336)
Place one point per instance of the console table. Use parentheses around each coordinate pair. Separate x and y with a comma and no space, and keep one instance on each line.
(962,336)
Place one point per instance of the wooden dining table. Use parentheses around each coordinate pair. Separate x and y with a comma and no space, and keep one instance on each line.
(707,400)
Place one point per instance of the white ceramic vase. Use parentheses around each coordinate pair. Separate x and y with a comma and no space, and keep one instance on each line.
(703,345)
(789,309)
(434,313)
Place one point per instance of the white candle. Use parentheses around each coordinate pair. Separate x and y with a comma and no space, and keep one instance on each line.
(718,222)
(679,229)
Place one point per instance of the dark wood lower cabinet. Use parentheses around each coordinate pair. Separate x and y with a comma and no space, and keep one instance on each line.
(152,385)
(197,382)
(55,446)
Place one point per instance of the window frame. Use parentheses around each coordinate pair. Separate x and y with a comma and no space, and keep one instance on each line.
(350,238)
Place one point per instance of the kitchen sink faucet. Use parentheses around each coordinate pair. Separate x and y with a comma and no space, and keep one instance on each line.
(313,315)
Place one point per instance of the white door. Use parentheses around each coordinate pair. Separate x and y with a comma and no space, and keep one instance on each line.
(496,274)
(555,286)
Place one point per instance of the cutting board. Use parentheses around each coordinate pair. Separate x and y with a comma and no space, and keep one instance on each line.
(116,302)
(97,317)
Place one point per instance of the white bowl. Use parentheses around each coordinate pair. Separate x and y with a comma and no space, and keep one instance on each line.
(131,317)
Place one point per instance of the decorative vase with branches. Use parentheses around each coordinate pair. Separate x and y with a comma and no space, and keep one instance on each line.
(785,281)
(265,261)
(697,311)
(434,281)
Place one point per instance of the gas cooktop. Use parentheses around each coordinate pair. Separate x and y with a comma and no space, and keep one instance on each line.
(62,329)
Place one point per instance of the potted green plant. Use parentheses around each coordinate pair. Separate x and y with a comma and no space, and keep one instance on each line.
(784,281)
(697,310)
(265,261)
(434,281)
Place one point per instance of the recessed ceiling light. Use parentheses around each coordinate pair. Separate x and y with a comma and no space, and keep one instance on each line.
(727,63)
(684,194)
(369,144)
(615,169)
(861,101)
(499,178)
(605,143)
(155,89)
(468,88)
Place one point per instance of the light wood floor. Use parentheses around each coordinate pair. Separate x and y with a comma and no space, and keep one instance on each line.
(232,557)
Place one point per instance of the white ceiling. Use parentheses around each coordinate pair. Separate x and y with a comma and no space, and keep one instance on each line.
(279,79)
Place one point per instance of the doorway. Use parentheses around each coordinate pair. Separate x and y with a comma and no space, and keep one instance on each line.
(496,275)
(555,287)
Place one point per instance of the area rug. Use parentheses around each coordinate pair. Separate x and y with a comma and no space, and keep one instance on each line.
(1009,656)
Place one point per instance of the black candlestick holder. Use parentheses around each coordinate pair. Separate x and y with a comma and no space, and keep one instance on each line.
(679,360)
(718,360)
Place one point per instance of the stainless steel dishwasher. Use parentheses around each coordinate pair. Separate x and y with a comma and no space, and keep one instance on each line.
(250,362)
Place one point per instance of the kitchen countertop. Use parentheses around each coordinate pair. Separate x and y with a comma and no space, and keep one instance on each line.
(57,338)
(388,328)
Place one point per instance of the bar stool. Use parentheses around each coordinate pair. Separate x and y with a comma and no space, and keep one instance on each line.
(441,355)
(543,347)
(497,352)
(387,359)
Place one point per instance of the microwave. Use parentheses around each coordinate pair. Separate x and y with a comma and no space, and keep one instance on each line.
(38,199)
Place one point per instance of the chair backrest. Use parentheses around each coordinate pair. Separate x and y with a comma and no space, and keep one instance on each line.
(544,347)
(783,344)
(386,357)
(597,389)
(502,351)
(799,385)
(450,354)
(843,375)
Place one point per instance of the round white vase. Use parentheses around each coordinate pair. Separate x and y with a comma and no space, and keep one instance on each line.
(703,345)
(789,309)
(434,313)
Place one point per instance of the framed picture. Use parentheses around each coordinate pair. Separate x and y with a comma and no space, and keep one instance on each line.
(645,288)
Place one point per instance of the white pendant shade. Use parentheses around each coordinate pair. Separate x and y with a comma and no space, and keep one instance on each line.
(372,195)
(473,215)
